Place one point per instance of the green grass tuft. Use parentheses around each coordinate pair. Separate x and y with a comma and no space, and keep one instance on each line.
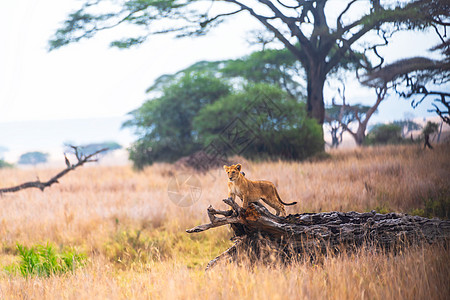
(44,261)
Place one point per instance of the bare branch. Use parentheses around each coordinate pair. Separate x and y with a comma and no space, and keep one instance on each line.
(206,22)
(82,159)
(289,6)
(338,21)
(290,22)
(276,32)
(218,222)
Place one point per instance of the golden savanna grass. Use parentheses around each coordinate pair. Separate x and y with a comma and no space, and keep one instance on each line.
(137,247)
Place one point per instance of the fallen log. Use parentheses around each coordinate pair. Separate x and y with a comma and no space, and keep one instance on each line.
(260,233)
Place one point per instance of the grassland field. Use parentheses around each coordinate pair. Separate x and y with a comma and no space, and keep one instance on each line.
(136,246)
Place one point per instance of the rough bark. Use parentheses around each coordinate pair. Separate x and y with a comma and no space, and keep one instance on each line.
(262,234)
(315,83)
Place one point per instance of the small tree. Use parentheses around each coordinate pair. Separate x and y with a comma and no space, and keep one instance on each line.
(384,134)
(33,158)
(428,130)
(340,116)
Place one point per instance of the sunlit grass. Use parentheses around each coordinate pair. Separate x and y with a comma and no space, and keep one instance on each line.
(45,260)
(136,244)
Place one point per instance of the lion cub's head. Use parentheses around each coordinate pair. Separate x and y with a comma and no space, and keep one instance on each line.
(233,171)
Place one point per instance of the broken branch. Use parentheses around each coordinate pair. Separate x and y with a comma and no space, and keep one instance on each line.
(82,159)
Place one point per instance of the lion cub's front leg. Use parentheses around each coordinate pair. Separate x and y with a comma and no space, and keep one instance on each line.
(245,201)
(231,195)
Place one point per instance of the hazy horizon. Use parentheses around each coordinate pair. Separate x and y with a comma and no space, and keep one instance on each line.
(49,136)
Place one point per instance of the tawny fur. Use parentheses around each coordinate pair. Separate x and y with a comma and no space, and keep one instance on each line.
(252,191)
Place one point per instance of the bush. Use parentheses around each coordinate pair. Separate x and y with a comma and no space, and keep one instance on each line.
(44,261)
(385,134)
(4,164)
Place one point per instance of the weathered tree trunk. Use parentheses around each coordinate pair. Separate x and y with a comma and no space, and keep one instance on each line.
(262,234)
(315,83)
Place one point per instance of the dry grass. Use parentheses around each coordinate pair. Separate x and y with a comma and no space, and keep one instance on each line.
(134,235)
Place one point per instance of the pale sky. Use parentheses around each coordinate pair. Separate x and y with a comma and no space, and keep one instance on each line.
(89,79)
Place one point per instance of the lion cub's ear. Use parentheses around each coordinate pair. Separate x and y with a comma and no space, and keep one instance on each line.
(238,167)
(225,167)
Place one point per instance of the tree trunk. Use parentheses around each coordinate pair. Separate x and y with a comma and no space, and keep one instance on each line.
(360,135)
(315,83)
(260,235)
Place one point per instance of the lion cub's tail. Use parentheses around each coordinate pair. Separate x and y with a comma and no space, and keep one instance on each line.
(278,196)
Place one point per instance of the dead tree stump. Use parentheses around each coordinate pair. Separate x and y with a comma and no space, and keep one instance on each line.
(260,233)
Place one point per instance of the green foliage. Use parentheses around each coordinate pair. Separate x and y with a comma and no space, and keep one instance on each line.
(435,206)
(90,18)
(430,128)
(206,68)
(45,261)
(5,164)
(271,66)
(275,125)
(164,125)
(32,158)
(382,209)
(384,134)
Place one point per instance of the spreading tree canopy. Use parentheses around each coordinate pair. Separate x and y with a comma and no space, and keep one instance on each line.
(319,33)
(164,124)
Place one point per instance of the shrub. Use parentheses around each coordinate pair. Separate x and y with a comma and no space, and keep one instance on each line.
(45,261)
(385,134)
(4,164)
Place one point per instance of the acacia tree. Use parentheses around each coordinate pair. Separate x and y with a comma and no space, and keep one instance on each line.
(339,117)
(310,29)
(362,115)
(419,76)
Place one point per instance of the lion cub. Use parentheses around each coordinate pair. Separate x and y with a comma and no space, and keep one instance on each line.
(251,191)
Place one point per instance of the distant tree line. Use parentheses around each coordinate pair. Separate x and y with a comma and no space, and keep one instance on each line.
(38,157)
(397,133)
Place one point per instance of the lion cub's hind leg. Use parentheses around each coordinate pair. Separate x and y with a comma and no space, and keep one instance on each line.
(275,204)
